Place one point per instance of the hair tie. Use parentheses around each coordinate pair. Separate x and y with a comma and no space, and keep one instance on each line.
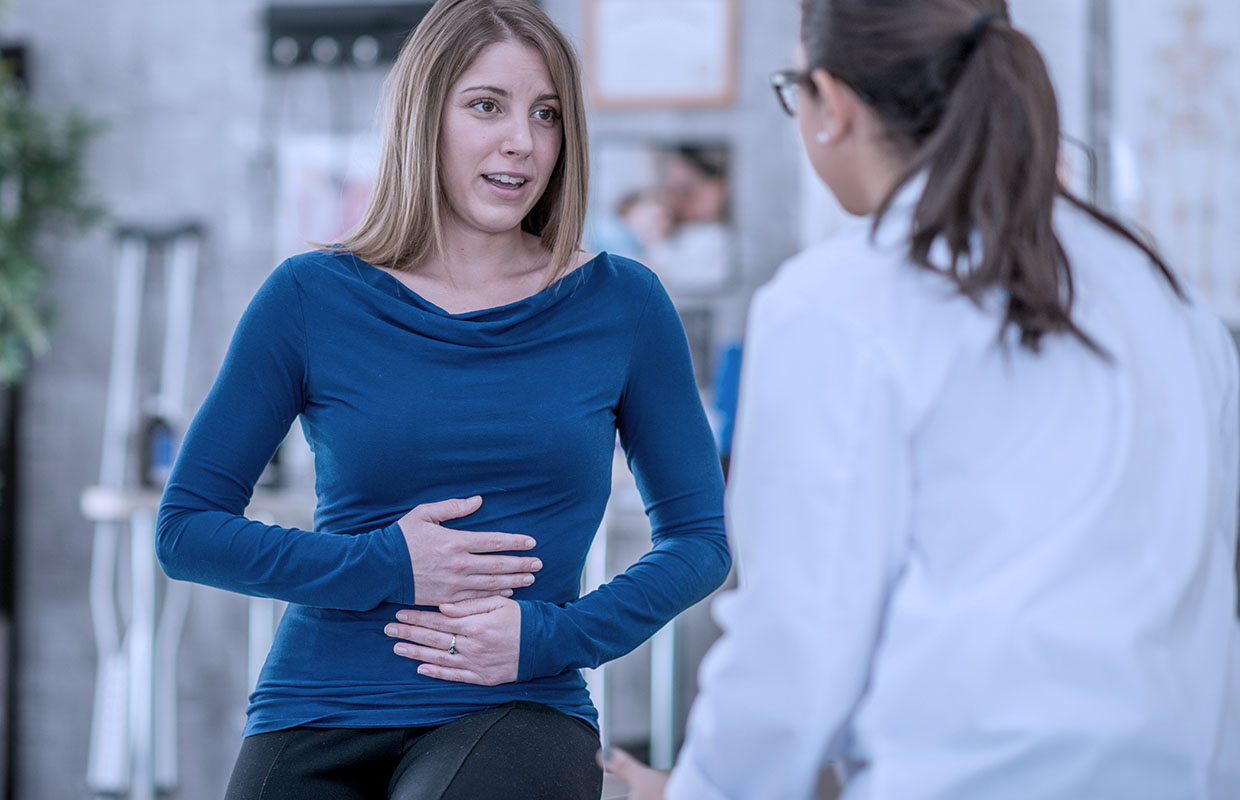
(979,27)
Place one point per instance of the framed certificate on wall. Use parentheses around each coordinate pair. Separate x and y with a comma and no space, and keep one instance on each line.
(661,53)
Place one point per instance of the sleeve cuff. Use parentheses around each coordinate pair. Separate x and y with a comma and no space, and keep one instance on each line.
(532,625)
(396,552)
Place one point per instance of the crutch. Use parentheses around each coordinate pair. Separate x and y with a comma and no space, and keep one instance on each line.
(133,729)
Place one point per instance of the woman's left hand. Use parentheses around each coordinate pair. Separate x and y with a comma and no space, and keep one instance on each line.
(487,641)
(644,782)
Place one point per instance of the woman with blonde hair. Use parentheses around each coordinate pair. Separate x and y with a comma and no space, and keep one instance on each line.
(456,354)
(984,486)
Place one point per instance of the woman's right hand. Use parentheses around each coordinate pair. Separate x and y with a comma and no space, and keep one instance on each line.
(450,565)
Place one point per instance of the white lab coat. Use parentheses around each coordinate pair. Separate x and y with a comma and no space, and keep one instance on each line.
(968,571)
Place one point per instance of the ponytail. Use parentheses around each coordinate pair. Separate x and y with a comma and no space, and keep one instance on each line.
(970,100)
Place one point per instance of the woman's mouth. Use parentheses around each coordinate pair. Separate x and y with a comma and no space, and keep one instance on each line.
(503,180)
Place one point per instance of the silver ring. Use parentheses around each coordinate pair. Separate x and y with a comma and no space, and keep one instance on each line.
(452,647)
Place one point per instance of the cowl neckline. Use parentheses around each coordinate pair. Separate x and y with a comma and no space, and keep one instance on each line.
(492,326)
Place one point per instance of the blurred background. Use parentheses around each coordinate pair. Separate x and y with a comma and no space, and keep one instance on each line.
(158,159)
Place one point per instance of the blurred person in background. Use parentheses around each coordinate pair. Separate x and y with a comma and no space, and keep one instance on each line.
(458,355)
(695,252)
(640,218)
(984,493)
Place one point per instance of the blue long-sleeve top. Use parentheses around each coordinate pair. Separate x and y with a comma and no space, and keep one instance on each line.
(403,403)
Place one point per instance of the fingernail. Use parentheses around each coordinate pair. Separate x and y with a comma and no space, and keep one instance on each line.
(527,580)
(537,564)
(403,616)
(477,497)
(423,671)
(390,630)
(529,543)
(403,649)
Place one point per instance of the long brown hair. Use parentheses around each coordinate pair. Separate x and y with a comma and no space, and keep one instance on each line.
(403,224)
(967,99)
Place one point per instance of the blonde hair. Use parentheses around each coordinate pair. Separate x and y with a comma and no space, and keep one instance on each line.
(403,223)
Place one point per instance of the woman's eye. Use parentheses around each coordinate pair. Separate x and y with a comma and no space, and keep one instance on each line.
(485,106)
(547,114)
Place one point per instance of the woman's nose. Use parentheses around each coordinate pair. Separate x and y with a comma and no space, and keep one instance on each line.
(518,140)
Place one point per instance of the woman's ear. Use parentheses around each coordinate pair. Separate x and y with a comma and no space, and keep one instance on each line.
(836,106)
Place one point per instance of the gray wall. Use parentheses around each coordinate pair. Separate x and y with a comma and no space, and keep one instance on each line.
(180,89)
(191,111)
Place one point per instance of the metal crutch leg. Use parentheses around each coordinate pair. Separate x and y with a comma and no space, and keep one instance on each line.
(108,763)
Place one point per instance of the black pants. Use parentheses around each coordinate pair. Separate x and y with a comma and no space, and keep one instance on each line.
(516,751)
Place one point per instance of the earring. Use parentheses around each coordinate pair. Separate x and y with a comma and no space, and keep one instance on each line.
(822,137)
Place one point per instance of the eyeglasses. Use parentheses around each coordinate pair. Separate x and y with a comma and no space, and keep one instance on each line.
(785,83)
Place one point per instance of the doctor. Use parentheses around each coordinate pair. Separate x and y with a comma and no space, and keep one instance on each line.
(984,490)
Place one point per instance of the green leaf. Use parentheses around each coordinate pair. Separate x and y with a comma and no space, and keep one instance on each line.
(43,188)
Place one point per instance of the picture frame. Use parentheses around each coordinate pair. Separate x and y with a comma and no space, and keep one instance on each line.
(661,53)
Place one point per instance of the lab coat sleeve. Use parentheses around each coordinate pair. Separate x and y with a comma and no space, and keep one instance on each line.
(818,514)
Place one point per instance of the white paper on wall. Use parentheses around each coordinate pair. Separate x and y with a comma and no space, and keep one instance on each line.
(324,183)
(1176,136)
(662,49)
